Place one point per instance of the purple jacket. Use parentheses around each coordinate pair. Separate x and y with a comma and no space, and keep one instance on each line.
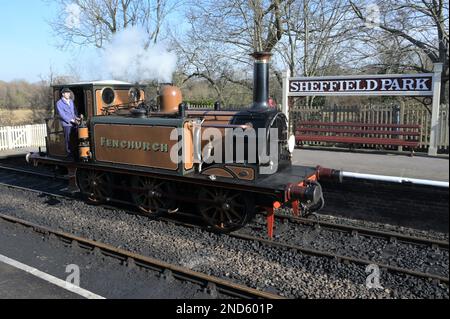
(67,112)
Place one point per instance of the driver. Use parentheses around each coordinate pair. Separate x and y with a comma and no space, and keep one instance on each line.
(69,118)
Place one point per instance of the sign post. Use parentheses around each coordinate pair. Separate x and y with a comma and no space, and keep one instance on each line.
(432,150)
(285,101)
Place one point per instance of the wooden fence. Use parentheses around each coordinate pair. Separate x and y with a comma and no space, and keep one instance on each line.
(378,114)
(12,137)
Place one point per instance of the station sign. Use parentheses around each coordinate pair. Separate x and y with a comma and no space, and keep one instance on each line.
(369,85)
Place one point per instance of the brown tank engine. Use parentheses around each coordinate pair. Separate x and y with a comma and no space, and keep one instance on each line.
(223,165)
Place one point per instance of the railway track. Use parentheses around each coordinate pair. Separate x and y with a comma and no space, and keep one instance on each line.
(344,259)
(364,231)
(316,223)
(30,171)
(213,285)
(391,236)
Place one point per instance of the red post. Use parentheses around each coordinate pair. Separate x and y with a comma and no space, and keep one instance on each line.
(271,218)
(296,208)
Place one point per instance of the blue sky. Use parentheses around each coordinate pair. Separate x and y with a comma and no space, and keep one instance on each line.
(28,49)
(27,42)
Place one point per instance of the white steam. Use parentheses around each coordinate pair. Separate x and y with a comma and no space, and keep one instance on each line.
(127,59)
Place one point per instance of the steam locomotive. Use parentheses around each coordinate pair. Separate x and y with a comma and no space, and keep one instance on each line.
(164,157)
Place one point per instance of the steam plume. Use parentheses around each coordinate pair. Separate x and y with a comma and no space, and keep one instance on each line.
(127,58)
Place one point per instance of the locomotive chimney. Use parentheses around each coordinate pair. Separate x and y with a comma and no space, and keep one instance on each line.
(261,80)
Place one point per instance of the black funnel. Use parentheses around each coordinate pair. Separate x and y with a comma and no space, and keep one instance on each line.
(261,80)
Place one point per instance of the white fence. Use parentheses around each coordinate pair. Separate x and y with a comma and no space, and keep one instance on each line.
(12,137)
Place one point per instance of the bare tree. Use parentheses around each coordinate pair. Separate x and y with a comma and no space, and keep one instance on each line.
(200,61)
(204,64)
(222,34)
(421,27)
(238,26)
(316,34)
(93,22)
(315,31)
(305,35)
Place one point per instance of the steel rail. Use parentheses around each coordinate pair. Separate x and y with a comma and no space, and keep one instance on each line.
(26,171)
(356,230)
(210,282)
(341,258)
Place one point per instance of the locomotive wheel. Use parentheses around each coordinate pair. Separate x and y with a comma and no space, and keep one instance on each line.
(225,210)
(95,186)
(149,195)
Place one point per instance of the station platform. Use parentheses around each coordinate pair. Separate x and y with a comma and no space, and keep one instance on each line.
(18,284)
(420,167)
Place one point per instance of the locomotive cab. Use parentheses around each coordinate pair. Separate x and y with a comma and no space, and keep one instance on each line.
(91,99)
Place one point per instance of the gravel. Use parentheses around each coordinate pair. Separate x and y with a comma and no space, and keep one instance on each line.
(379,250)
(430,234)
(286,272)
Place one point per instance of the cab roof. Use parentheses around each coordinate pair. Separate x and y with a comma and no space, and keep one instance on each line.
(97,83)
